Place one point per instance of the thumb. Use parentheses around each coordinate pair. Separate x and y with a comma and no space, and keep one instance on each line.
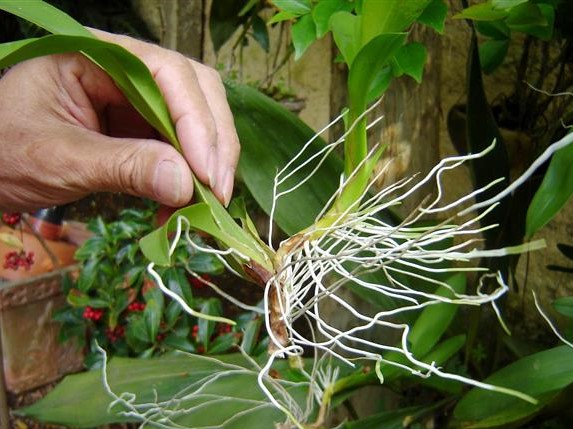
(146,168)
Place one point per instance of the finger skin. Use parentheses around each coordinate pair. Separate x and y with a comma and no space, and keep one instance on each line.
(68,131)
(198,105)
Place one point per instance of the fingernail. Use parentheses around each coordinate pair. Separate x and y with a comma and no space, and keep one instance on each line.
(212,166)
(228,182)
(167,182)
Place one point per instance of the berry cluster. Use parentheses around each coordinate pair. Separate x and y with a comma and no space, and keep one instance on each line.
(14,260)
(136,306)
(115,334)
(11,219)
(92,314)
(224,328)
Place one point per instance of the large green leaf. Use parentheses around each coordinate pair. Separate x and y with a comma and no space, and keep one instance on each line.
(542,375)
(270,137)
(303,33)
(435,15)
(198,391)
(554,192)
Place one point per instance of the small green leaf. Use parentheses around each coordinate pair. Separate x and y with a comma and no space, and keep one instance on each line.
(153,312)
(346,32)
(494,29)
(77,298)
(492,53)
(222,343)
(411,59)
(564,306)
(179,343)
(280,17)
(303,33)
(172,313)
(542,31)
(506,4)
(324,10)
(555,190)
(434,15)
(482,12)
(261,33)
(176,280)
(211,307)
(524,16)
(137,335)
(296,7)
(251,335)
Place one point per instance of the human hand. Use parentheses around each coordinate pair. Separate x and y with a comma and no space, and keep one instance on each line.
(66,131)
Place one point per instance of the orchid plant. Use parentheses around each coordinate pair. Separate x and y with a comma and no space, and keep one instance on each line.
(416,265)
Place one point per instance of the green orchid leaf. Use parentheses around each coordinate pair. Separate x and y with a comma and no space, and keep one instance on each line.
(155,246)
(434,320)
(542,375)
(81,400)
(410,59)
(492,53)
(324,10)
(368,62)
(434,15)
(270,137)
(555,190)
(46,16)
(303,33)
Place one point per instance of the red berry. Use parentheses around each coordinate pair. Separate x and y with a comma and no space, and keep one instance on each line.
(14,260)
(11,219)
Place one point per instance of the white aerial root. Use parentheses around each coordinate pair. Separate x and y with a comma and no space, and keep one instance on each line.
(404,264)
(409,260)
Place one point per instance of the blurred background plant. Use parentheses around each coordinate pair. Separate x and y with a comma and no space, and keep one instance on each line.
(114,304)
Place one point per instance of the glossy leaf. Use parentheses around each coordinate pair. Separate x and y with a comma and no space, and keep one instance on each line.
(224,20)
(154,303)
(346,33)
(211,307)
(260,32)
(390,16)
(482,12)
(296,7)
(81,401)
(554,191)
(251,333)
(434,15)
(564,306)
(494,29)
(542,31)
(434,320)
(323,11)
(506,4)
(541,375)
(410,59)
(303,33)
(283,15)
(492,53)
(524,16)
(270,137)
